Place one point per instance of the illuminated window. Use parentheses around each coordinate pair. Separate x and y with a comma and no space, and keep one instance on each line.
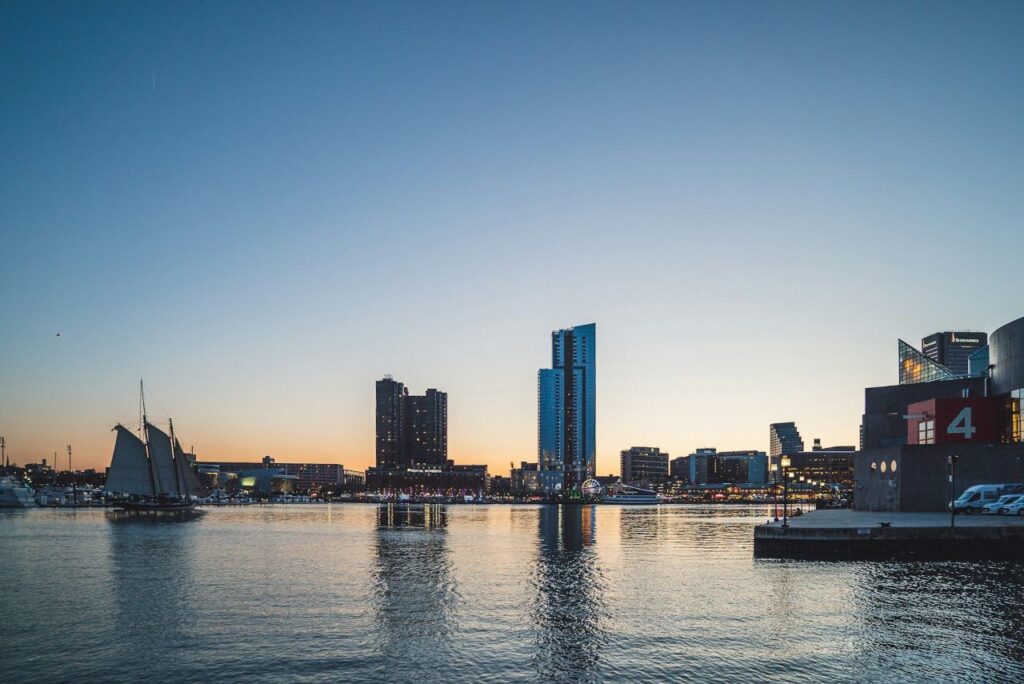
(892,466)
(926,432)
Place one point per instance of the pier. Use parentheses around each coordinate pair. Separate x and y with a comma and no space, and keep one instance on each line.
(871,535)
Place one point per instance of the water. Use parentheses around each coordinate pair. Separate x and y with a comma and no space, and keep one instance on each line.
(483,594)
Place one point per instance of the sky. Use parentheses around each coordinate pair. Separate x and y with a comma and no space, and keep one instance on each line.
(262,208)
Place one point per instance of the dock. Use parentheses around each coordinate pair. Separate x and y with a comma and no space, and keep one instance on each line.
(871,535)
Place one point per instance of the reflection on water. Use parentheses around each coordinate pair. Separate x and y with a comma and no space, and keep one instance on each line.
(522,593)
(416,594)
(567,607)
(425,516)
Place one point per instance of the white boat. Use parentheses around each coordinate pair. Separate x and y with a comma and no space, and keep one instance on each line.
(623,494)
(15,494)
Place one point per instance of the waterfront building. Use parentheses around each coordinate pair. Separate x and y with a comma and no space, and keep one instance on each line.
(784,438)
(411,429)
(643,465)
(389,421)
(526,479)
(910,433)
(828,465)
(425,428)
(303,476)
(567,410)
(953,349)
(679,469)
(710,466)
(423,479)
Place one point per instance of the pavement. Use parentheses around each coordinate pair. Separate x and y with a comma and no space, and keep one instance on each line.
(846,518)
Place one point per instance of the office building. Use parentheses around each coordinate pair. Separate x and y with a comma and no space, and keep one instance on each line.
(953,349)
(567,410)
(710,466)
(643,465)
(784,438)
(828,465)
(411,429)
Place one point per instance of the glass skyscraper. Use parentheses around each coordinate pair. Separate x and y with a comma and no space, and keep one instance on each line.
(567,409)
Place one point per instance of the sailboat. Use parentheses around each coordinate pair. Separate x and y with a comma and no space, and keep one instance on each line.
(150,471)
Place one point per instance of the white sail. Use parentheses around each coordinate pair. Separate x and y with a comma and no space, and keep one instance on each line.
(190,484)
(129,467)
(160,452)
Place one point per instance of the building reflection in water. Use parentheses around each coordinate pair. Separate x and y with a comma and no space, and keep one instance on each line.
(415,591)
(569,611)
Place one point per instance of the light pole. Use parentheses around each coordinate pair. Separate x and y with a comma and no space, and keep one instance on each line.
(952,491)
(784,465)
(774,467)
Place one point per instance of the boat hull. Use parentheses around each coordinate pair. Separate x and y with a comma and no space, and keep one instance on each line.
(156,506)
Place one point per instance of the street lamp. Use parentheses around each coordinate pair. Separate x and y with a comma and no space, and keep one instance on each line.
(774,468)
(784,464)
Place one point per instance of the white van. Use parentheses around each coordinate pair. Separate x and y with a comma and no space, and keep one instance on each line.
(974,499)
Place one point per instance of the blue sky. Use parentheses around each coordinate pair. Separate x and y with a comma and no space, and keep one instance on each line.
(263,207)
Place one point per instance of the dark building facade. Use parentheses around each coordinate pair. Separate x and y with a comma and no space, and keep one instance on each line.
(953,349)
(411,429)
(784,438)
(425,428)
(643,465)
(390,404)
(430,480)
(831,465)
(909,432)
(883,423)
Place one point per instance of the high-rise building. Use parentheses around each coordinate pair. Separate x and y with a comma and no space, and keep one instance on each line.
(410,428)
(566,410)
(643,465)
(953,349)
(425,428)
(390,404)
(784,438)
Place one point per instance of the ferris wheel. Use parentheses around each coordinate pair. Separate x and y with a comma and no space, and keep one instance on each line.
(591,487)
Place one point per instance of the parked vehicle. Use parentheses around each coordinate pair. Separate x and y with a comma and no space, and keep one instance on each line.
(974,499)
(1016,508)
(996,507)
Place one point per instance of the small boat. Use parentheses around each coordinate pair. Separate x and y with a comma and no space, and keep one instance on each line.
(623,494)
(15,494)
(150,472)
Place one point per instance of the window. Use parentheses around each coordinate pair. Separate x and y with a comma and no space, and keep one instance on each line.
(926,432)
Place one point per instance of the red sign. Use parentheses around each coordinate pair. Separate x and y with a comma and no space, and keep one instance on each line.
(953,421)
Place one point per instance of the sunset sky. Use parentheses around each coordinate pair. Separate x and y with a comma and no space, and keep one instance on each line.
(262,208)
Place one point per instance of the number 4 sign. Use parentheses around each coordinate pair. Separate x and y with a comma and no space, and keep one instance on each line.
(961,425)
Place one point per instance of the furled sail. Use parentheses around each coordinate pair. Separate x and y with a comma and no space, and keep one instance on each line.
(163,462)
(129,467)
(190,484)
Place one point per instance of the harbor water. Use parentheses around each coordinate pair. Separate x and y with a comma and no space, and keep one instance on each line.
(499,593)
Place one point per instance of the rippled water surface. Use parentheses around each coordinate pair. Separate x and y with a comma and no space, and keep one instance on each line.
(480,593)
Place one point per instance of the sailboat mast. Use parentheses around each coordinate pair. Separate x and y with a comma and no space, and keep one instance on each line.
(145,438)
(174,459)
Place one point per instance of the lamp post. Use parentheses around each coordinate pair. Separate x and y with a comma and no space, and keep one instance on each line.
(784,463)
(774,467)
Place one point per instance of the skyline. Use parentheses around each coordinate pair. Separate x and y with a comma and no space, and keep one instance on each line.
(262,211)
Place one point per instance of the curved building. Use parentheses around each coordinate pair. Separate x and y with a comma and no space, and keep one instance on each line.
(1006,356)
